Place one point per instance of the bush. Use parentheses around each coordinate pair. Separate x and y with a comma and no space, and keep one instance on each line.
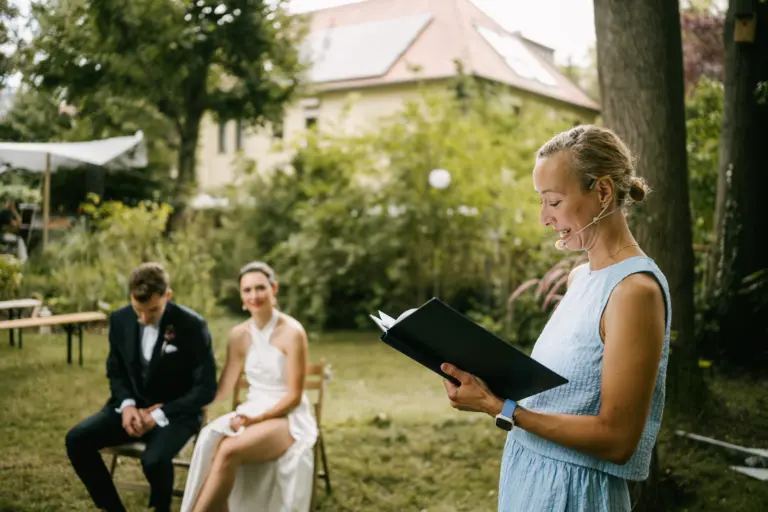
(352,225)
(704,113)
(19,193)
(10,277)
(533,301)
(89,268)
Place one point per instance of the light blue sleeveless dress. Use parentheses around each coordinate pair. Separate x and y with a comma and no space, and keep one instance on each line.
(538,475)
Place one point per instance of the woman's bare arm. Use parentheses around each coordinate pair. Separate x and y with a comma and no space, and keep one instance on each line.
(634,322)
(237,348)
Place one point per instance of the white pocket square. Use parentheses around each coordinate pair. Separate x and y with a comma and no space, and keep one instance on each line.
(169,349)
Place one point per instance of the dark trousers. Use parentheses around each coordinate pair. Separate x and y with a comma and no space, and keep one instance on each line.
(105,429)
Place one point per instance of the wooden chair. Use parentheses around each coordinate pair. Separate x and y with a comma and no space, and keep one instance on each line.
(315,383)
(136,450)
(315,386)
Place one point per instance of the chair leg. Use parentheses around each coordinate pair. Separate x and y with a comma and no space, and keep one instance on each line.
(113,466)
(325,464)
(68,328)
(313,501)
(11,331)
(80,343)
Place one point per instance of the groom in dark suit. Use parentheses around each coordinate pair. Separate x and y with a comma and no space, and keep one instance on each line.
(161,372)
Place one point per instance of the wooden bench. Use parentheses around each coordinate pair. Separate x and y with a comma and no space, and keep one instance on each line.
(14,308)
(70,322)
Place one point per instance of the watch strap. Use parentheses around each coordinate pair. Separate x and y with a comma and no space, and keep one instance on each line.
(505,419)
(508,409)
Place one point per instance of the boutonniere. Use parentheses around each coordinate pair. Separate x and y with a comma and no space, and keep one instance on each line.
(168,337)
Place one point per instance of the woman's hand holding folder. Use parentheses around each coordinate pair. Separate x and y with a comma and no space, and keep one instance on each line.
(472,394)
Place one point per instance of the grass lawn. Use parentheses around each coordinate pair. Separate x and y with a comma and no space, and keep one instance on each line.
(393,442)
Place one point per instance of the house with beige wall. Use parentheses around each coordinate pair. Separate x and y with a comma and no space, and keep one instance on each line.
(369,58)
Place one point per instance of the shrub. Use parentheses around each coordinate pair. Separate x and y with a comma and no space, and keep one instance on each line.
(352,224)
(89,268)
(10,277)
(532,302)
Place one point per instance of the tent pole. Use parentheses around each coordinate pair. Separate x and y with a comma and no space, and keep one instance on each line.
(46,198)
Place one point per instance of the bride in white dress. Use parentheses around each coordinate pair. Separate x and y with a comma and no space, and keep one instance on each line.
(259,457)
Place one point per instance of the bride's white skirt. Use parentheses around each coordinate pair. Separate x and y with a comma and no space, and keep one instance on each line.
(282,485)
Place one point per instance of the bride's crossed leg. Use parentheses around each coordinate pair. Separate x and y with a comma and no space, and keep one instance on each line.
(260,442)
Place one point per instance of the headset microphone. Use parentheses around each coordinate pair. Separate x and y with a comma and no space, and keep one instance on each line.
(560,244)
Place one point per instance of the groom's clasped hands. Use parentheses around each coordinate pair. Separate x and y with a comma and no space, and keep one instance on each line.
(138,422)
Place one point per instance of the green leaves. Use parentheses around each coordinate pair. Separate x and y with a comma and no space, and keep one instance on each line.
(353,225)
(177,60)
(92,263)
(11,273)
(704,111)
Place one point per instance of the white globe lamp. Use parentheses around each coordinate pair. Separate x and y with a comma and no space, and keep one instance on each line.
(439,178)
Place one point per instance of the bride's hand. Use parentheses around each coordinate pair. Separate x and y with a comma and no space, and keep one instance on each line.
(238,421)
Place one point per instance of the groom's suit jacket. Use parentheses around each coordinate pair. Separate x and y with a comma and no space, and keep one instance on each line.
(182,377)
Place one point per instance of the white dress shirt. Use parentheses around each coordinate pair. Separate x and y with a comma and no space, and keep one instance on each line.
(148,341)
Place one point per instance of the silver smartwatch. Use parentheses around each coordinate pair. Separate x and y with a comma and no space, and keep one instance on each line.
(505,419)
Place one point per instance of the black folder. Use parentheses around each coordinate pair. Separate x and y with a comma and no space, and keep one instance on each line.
(435,333)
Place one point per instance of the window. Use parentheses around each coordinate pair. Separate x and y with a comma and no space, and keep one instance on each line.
(239,135)
(311,110)
(277,130)
(311,114)
(222,137)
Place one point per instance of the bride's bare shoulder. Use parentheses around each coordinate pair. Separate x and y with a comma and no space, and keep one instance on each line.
(240,329)
(238,338)
(292,327)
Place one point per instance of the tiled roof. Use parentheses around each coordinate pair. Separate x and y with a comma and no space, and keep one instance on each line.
(379,42)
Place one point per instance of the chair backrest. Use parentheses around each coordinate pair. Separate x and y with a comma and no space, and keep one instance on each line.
(314,386)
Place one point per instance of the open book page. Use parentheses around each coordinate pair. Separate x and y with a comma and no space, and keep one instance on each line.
(386,322)
(379,322)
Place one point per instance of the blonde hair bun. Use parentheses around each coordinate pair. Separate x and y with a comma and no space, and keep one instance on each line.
(638,189)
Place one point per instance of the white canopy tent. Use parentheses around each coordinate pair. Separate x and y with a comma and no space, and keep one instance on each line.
(205,201)
(48,157)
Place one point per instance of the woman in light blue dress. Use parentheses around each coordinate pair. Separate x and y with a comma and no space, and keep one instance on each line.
(575,447)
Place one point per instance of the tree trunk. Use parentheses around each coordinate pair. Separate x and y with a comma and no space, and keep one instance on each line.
(187,159)
(640,66)
(186,178)
(741,222)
